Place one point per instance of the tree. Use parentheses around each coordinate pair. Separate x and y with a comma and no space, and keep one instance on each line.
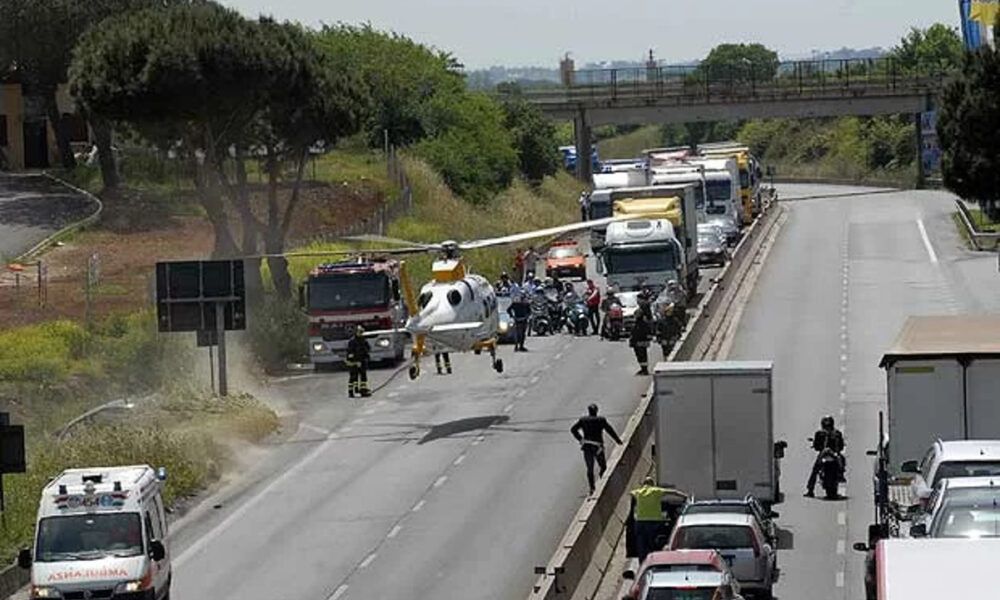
(937,46)
(534,139)
(968,119)
(740,62)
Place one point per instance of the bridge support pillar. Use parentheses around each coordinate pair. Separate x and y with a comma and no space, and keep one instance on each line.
(919,136)
(584,147)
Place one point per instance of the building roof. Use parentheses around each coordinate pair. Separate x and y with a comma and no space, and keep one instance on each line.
(967,336)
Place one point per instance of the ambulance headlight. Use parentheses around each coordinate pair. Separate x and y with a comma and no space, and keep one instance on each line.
(383,343)
(318,347)
(131,587)
(45,592)
(503,327)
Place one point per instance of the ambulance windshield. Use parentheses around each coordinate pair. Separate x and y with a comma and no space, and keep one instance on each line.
(89,537)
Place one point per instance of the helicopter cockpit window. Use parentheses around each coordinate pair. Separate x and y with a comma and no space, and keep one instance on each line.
(424,299)
(454,297)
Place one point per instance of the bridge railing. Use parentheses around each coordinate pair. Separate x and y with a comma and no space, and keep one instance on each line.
(746,80)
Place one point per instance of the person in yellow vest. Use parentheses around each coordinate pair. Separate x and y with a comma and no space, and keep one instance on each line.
(649,515)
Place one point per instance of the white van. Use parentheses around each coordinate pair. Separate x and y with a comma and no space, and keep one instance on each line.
(101,533)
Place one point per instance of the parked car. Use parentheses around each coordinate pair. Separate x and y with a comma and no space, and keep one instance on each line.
(747,505)
(739,540)
(683,575)
(712,248)
(952,459)
(566,260)
(962,508)
(729,227)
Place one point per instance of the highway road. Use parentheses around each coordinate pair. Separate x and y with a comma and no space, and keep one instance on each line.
(843,275)
(447,486)
(33,207)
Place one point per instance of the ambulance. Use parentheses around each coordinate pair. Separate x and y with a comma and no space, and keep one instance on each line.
(101,533)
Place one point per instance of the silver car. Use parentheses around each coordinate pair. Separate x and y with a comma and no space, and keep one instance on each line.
(739,540)
(967,507)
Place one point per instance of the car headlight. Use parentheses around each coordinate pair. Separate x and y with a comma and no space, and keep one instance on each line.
(504,326)
(318,347)
(45,592)
(383,343)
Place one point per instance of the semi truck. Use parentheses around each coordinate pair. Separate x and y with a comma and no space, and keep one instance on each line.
(714,430)
(722,187)
(748,173)
(657,246)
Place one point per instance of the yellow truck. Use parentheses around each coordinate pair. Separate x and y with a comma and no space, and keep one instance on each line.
(749,180)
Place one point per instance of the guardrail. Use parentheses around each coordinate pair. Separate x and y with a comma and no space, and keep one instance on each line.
(75,226)
(975,236)
(12,579)
(579,564)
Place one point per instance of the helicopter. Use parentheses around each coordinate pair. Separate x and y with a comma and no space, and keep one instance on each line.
(457,311)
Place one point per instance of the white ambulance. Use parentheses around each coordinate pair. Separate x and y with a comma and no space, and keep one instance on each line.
(101,533)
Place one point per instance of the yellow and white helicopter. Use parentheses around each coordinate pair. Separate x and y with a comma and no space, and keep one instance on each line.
(457,310)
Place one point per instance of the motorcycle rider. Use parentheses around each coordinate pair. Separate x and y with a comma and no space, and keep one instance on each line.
(504,284)
(358,353)
(639,339)
(570,297)
(520,311)
(610,300)
(593,299)
(827,438)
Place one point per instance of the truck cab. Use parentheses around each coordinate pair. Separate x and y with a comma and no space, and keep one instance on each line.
(642,252)
(101,533)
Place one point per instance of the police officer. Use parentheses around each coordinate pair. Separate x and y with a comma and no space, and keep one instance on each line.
(648,518)
(520,311)
(830,437)
(589,431)
(358,353)
(639,340)
(440,357)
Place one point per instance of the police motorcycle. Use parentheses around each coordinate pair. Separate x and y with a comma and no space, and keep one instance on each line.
(669,310)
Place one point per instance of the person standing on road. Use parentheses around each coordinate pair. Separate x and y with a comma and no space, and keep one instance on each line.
(589,431)
(639,340)
(520,311)
(358,353)
(444,357)
(593,299)
(649,520)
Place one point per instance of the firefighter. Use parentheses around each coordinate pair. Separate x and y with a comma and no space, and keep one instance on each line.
(358,352)
(442,357)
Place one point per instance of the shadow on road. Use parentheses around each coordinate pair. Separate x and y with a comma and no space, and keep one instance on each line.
(466,425)
(786,539)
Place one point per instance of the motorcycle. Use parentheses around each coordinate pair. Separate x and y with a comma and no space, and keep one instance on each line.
(557,318)
(577,318)
(539,322)
(831,472)
(614,322)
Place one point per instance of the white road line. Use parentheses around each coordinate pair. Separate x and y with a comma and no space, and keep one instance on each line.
(367,561)
(315,429)
(346,429)
(370,411)
(842,411)
(545,367)
(478,440)
(840,579)
(601,361)
(534,380)
(440,481)
(521,393)
(841,546)
(459,460)
(336,595)
(843,358)
(394,532)
(557,356)
(841,518)
(508,408)
(392,394)
(927,241)
(418,506)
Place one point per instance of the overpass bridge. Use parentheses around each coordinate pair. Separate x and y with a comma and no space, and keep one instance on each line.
(684,94)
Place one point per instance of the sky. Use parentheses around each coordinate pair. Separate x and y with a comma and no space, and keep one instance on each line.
(482,33)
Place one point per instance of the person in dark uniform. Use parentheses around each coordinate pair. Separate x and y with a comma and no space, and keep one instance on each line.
(589,431)
(520,311)
(639,340)
(442,357)
(828,437)
(358,353)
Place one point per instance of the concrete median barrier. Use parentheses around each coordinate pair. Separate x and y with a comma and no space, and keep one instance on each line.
(581,561)
(12,579)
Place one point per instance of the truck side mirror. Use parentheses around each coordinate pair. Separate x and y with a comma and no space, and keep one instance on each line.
(779,449)
(24,558)
(910,466)
(629,575)
(876,532)
(860,546)
(919,530)
(157,551)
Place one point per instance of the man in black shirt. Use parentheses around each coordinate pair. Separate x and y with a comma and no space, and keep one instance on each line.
(589,431)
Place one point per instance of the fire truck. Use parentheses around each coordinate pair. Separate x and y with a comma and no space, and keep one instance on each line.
(337,297)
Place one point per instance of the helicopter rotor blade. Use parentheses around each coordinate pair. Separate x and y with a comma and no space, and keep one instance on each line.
(549,232)
(381,239)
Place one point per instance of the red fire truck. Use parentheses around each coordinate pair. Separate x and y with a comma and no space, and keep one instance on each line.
(340,296)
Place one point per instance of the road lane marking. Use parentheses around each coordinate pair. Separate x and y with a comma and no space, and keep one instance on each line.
(338,593)
(418,506)
(508,408)
(440,481)
(315,429)
(478,440)
(557,356)
(545,367)
(394,532)
(841,544)
(370,411)
(367,561)
(521,393)
(840,579)
(927,241)
(346,429)
(392,394)
(459,460)
(534,380)
(841,518)
(601,361)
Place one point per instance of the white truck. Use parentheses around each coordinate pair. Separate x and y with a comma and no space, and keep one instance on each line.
(931,569)
(101,533)
(715,431)
(722,183)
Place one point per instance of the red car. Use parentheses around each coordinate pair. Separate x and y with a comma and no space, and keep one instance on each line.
(697,572)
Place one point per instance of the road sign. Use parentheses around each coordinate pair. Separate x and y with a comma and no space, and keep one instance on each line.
(189,293)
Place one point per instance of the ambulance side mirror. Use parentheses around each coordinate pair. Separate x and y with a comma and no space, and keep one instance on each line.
(24,558)
(157,551)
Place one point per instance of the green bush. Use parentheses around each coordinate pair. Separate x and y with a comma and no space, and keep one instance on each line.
(278,332)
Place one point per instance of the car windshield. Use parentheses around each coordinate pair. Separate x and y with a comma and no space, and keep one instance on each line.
(563,252)
(345,292)
(693,593)
(657,259)
(720,537)
(719,191)
(89,537)
(966,468)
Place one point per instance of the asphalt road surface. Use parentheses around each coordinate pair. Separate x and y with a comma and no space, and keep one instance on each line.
(33,207)
(842,277)
(450,486)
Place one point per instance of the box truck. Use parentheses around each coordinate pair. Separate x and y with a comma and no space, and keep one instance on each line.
(714,430)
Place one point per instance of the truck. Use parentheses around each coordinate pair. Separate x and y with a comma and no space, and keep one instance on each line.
(931,568)
(748,173)
(338,297)
(681,174)
(714,430)
(650,251)
(722,187)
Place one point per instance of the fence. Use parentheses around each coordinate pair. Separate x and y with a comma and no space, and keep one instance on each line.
(980,240)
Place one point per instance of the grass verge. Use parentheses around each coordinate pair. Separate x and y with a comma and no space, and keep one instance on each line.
(631,144)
